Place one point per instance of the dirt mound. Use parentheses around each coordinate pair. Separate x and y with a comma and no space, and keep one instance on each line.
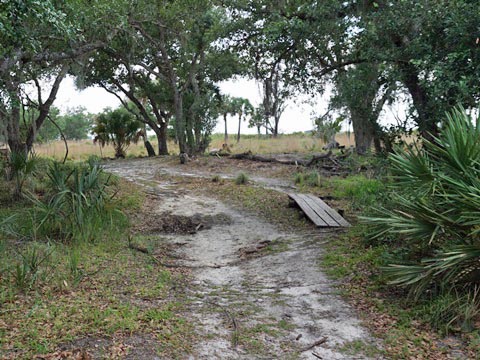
(168,223)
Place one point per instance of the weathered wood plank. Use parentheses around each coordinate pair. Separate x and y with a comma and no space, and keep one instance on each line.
(317,220)
(331,212)
(319,210)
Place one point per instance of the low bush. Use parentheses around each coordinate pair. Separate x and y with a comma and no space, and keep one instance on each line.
(75,204)
(433,215)
(241,179)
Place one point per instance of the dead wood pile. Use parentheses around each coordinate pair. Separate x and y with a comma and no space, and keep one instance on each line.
(326,160)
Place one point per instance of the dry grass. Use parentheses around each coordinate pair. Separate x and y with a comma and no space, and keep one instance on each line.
(282,144)
(81,150)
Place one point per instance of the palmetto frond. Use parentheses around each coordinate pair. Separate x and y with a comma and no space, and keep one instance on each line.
(435,203)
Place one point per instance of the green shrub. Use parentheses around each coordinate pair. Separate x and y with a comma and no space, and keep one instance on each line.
(20,167)
(32,261)
(435,209)
(241,179)
(314,179)
(216,179)
(452,311)
(76,205)
(299,179)
(361,191)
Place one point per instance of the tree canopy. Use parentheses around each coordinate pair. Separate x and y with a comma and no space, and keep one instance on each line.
(164,60)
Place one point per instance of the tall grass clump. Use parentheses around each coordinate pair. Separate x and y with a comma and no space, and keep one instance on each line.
(433,216)
(76,205)
(241,179)
(80,195)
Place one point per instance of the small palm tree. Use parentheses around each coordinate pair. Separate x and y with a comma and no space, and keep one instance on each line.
(226,108)
(117,127)
(243,108)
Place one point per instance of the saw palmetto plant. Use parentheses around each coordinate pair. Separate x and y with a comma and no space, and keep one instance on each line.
(434,209)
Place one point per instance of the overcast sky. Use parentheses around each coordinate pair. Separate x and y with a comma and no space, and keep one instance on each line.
(297,116)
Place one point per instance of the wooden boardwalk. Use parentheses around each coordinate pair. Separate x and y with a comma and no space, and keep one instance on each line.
(320,213)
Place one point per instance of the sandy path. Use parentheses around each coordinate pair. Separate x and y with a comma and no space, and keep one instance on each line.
(273,306)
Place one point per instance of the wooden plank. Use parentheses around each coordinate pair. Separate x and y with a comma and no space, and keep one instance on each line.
(331,212)
(319,210)
(317,220)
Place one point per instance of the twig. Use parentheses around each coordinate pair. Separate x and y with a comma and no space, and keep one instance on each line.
(316,343)
(316,355)
(232,319)
(62,135)
(138,248)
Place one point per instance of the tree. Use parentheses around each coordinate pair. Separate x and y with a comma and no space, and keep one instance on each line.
(363,111)
(327,128)
(429,47)
(179,43)
(242,108)
(76,123)
(117,127)
(147,97)
(49,131)
(257,119)
(226,108)
(165,64)
(39,41)
(275,95)
(433,48)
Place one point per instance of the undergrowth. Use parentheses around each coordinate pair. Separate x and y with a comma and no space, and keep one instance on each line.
(66,271)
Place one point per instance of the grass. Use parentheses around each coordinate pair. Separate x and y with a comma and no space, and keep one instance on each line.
(53,293)
(96,300)
(269,204)
(72,282)
(81,150)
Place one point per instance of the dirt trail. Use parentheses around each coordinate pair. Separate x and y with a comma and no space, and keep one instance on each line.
(247,306)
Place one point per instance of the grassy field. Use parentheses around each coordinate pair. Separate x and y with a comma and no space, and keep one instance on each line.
(81,150)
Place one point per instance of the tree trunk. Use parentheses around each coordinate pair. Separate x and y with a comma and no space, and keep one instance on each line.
(149,147)
(275,128)
(161,133)
(179,120)
(239,126)
(426,118)
(13,132)
(225,140)
(363,130)
(191,144)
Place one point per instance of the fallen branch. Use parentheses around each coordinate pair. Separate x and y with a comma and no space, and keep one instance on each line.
(297,161)
(317,158)
(315,344)
(138,248)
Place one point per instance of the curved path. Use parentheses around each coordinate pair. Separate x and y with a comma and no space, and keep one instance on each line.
(274,304)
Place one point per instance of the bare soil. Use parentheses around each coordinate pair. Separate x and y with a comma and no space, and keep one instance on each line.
(255,291)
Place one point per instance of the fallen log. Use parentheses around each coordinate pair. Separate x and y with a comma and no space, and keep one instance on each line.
(317,158)
(297,161)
